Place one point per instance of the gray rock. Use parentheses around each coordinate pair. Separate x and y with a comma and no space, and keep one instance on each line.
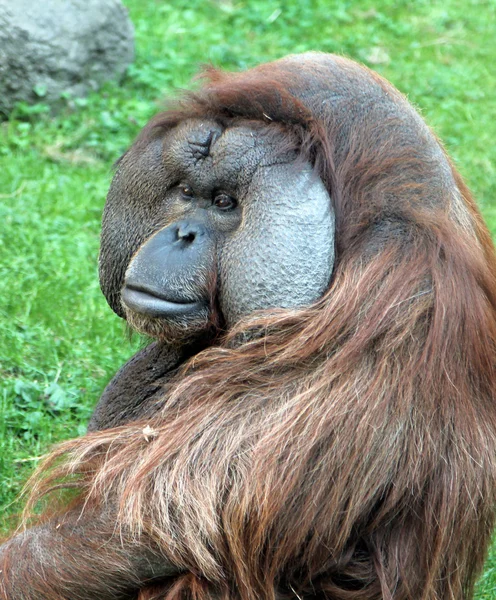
(53,48)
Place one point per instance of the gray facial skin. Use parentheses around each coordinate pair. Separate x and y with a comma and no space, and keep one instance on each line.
(210,206)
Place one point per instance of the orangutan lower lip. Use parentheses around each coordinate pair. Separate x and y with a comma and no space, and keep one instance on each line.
(146,302)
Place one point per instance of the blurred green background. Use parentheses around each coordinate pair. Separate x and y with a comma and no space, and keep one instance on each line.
(59,342)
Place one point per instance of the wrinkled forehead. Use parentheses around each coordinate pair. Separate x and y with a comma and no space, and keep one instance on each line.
(205,149)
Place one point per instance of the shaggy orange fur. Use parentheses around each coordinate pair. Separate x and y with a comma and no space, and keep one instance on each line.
(346,450)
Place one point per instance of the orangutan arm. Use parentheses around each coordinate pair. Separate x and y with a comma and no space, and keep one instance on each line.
(78,558)
(135,391)
(86,557)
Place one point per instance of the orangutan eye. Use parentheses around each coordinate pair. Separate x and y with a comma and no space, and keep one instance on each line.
(186,191)
(224,201)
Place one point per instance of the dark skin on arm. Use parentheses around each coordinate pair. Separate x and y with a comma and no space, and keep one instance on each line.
(75,546)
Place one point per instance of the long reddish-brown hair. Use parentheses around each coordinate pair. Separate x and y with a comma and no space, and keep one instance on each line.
(346,449)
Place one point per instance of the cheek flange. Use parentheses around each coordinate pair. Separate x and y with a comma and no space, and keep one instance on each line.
(283,254)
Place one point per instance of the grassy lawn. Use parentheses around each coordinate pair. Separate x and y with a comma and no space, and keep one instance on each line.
(59,342)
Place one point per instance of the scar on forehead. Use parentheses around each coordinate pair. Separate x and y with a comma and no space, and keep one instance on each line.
(201,148)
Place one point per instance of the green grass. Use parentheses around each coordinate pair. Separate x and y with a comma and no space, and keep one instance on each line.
(59,342)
